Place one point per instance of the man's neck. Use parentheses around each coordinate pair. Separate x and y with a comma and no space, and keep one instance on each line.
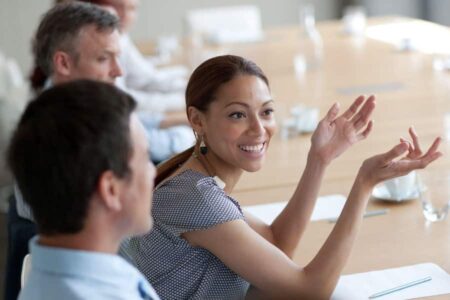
(56,79)
(81,241)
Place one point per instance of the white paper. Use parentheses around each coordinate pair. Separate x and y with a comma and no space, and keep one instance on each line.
(413,35)
(327,207)
(363,285)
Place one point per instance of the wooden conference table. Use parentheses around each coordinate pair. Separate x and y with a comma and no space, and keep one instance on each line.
(408,91)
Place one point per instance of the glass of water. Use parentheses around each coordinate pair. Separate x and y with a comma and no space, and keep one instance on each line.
(434,193)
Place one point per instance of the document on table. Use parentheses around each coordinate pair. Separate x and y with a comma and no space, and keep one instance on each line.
(387,87)
(363,285)
(327,207)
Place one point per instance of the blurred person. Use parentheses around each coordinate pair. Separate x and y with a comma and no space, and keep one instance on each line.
(155,90)
(204,246)
(160,95)
(159,90)
(79,155)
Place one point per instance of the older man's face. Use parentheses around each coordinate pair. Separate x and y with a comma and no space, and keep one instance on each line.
(98,53)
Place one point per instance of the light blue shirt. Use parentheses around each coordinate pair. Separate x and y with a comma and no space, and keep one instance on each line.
(58,273)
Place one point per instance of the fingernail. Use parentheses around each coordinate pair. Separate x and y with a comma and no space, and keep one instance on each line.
(404,145)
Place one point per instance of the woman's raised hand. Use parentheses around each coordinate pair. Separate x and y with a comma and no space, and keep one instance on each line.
(390,164)
(335,134)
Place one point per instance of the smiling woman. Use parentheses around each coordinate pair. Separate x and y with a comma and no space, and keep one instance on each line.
(203,245)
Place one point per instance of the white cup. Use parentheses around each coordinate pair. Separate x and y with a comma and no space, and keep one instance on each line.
(403,187)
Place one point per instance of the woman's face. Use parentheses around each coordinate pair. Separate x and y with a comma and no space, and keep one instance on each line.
(239,124)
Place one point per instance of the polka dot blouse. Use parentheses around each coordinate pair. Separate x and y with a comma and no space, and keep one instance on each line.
(188,201)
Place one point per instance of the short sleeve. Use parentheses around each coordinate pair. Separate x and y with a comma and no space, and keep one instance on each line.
(192,201)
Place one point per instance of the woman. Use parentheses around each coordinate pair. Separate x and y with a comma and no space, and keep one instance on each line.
(203,245)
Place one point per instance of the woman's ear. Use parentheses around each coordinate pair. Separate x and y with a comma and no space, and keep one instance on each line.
(109,189)
(62,63)
(197,119)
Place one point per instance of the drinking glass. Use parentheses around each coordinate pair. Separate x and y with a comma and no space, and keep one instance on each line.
(434,193)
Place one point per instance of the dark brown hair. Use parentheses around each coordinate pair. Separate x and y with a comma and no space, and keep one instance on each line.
(65,140)
(201,91)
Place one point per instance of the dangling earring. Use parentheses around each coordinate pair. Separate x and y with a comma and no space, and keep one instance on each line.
(203,148)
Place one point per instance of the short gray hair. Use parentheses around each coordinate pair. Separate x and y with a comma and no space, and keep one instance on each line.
(60,27)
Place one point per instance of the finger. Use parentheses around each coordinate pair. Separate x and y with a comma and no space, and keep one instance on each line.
(395,152)
(366,131)
(415,138)
(410,148)
(430,158)
(363,116)
(353,108)
(433,146)
(414,164)
(332,113)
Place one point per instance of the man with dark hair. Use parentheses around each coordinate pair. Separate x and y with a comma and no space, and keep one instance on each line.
(73,41)
(79,155)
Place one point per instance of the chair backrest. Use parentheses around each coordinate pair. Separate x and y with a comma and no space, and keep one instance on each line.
(26,268)
(226,24)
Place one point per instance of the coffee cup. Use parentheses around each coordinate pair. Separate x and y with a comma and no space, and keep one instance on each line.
(402,187)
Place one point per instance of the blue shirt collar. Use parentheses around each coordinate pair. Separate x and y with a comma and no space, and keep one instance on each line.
(94,266)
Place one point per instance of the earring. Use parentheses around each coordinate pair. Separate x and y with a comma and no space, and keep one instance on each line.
(203,148)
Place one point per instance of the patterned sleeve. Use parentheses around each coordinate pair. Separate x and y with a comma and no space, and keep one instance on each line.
(184,206)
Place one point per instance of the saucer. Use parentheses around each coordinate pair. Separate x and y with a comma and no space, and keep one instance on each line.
(380,192)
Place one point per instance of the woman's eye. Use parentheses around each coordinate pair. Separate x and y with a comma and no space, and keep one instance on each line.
(237,115)
(268,112)
(102,59)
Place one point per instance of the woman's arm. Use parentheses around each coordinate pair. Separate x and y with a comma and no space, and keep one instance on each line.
(332,137)
(270,271)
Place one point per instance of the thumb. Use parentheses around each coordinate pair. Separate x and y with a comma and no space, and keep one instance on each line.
(395,152)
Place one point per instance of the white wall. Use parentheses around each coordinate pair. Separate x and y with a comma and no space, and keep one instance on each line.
(19,19)
(439,11)
(164,17)
(410,8)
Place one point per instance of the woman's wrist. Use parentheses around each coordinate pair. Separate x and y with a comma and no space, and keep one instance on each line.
(317,158)
(364,181)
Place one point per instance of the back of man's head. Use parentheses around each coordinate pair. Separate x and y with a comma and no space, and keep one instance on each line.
(65,140)
(60,27)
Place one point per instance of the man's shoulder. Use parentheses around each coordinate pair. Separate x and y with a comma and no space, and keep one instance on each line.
(75,288)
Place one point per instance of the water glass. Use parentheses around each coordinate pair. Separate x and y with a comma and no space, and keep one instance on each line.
(434,193)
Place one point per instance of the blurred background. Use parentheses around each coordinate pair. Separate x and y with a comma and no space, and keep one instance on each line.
(19,18)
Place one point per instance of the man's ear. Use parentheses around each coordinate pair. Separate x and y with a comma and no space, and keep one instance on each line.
(197,119)
(109,189)
(62,63)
